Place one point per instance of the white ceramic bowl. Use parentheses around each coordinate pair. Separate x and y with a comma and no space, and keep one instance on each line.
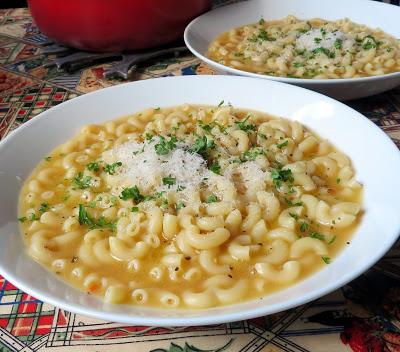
(375,157)
(204,29)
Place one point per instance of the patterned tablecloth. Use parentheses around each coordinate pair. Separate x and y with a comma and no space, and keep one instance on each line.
(362,316)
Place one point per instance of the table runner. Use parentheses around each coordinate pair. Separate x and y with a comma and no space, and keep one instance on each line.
(361,316)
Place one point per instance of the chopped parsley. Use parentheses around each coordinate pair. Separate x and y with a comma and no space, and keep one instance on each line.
(317,235)
(110,168)
(298,64)
(369,42)
(325,51)
(326,260)
(294,215)
(92,204)
(281,175)
(22,219)
(290,203)
(102,222)
(244,126)
(180,205)
(165,146)
(202,145)
(212,198)
(216,168)
(81,181)
(317,40)
(206,127)
(168,181)
(261,21)
(132,193)
(33,217)
(283,144)
(304,227)
(44,207)
(134,209)
(332,239)
(262,36)
(338,180)
(338,44)
(164,205)
(93,166)
(148,136)
(221,103)
(153,196)
(252,154)
(47,158)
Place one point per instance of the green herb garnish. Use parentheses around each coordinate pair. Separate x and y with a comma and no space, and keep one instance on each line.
(317,235)
(281,175)
(22,219)
(338,44)
(292,204)
(252,154)
(93,166)
(369,42)
(216,168)
(180,205)
(211,198)
(244,126)
(134,209)
(326,260)
(33,217)
(165,146)
(283,144)
(202,145)
(294,215)
(44,207)
(332,239)
(304,227)
(86,219)
(110,168)
(132,193)
(168,181)
(81,181)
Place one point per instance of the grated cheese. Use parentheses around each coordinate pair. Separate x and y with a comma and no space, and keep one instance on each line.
(314,39)
(144,168)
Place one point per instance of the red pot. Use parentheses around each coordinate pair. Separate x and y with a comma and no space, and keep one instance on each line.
(115,25)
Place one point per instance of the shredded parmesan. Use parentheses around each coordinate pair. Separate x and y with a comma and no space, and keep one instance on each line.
(315,38)
(144,168)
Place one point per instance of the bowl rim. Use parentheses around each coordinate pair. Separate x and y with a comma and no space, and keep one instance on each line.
(306,81)
(265,309)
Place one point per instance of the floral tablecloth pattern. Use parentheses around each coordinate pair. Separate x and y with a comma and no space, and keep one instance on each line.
(362,316)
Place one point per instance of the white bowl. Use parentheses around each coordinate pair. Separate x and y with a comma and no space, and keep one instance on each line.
(204,29)
(375,157)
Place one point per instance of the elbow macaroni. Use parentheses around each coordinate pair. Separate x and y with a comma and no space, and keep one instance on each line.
(274,204)
(313,49)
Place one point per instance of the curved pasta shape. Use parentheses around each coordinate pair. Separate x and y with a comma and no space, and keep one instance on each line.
(325,215)
(287,217)
(278,253)
(121,251)
(208,262)
(203,299)
(101,250)
(282,233)
(234,293)
(209,240)
(290,271)
(307,244)
(271,205)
